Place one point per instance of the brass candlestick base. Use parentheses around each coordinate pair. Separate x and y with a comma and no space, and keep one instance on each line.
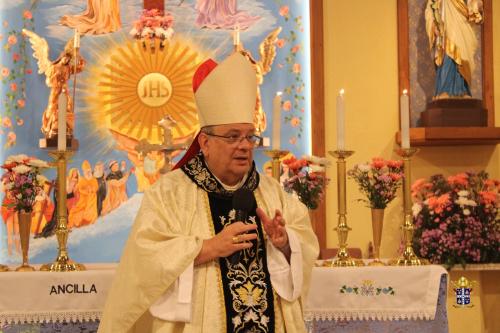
(408,257)
(62,262)
(4,268)
(343,259)
(276,155)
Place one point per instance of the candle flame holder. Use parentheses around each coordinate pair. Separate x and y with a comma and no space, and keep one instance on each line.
(276,156)
(343,259)
(408,257)
(62,263)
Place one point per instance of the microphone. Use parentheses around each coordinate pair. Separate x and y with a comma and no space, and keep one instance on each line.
(243,202)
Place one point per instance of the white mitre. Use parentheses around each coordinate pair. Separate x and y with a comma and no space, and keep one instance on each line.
(228,94)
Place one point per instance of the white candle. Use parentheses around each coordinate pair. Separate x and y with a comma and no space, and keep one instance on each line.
(61,121)
(276,121)
(340,120)
(405,120)
(236,36)
(76,40)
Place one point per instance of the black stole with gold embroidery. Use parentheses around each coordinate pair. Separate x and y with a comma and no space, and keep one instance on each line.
(248,293)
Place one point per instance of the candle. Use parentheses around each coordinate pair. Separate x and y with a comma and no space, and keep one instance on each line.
(76,40)
(236,36)
(405,120)
(340,121)
(61,121)
(276,121)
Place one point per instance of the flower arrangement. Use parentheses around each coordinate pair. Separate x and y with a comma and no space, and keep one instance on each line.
(457,219)
(378,180)
(306,179)
(153,23)
(22,181)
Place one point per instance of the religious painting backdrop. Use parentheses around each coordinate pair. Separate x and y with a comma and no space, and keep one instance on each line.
(130,88)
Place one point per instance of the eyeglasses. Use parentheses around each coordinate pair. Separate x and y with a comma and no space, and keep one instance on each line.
(237,139)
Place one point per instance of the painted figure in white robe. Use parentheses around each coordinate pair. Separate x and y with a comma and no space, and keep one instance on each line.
(222,14)
(194,264)
(453,43)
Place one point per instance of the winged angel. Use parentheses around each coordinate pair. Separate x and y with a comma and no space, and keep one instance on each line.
(267,51)
(57,74)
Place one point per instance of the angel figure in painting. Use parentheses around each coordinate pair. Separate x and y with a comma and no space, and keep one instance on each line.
(449,26)
(222,14)
(267,51)
(101,17)
(57,74)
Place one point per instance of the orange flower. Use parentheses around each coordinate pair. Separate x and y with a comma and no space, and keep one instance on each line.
(21,103)
(287,105)
(459,179)
(438,204)
(12,39)
(284,10)
(6,122)
(280,43)
(378,162)
(27,15)
(16,56)
(13,86)
(295,49)
(296,68)
(295,122)
(5,72)
(11,138)
(488,197)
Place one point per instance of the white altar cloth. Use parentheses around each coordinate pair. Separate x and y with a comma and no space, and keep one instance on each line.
(374,293)
(54,296)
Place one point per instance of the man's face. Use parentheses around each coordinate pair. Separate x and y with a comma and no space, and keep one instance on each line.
(228,161)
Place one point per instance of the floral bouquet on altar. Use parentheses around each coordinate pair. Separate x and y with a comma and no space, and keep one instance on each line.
(22,181)
(457,218)
(307,179)
(378,180)
(153,23)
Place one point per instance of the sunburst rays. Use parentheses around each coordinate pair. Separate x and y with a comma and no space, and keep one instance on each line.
(113,96)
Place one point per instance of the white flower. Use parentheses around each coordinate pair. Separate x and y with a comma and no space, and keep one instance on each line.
(17,158)
(364,167)
(466,212)
(21,169)
(317,160)
(146,32)
(38,163)
(41,179)
(9,186)
(251,315)
(236,321)
(316,168)
(19,196)
(463,201)
(463,193)
(416,208)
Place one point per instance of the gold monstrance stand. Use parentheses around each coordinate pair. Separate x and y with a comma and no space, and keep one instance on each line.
(62,262)
(408,257)
(343,258)
(276,155)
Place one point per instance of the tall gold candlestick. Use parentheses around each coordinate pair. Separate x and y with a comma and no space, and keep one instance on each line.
(343,259)
(408,257)
(62,262)
(276,155)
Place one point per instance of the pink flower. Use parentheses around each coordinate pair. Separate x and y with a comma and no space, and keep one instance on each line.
(396,164)
(295,122)
(13,86)
(28,71)
(284,11)
(293,140)
(5,72)
(459,179)
(280,43)
(21,103)
(296,68)
(6,122)
(19,121)
(488,198)
(287,105)
(378,162)
(12,39)
(16,56)
(27,15)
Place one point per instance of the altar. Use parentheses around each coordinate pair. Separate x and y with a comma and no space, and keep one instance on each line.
(368,299)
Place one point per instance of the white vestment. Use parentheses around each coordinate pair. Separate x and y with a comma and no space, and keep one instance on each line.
(167,236)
